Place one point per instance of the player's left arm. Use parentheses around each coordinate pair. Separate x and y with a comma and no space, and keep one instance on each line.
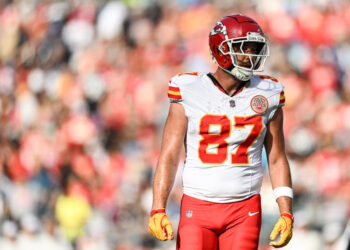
(280,178)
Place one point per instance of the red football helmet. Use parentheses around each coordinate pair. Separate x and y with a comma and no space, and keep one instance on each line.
(230,37)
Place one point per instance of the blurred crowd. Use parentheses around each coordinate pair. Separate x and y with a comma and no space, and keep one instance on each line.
(83,100)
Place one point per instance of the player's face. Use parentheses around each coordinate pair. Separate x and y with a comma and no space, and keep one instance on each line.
(251,48)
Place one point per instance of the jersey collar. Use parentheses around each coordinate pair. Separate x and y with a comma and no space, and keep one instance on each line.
(218,85)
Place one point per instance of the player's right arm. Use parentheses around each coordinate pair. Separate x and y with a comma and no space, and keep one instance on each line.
(173,138)
(172,141)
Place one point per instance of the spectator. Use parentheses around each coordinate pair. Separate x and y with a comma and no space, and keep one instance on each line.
(9,232)
(72,211)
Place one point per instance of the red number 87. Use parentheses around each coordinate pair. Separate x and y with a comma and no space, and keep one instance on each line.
(218,139)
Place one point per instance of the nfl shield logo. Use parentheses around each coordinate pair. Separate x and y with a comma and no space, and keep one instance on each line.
(232,104)
(188,214)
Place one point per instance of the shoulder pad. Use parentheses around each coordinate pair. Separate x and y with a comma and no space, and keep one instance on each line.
(179,83)
(263,77)
(185,77)
(268,83)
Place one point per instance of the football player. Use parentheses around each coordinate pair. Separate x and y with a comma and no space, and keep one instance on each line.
(225,118)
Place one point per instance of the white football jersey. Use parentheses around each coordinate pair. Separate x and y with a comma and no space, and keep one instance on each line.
(225,135)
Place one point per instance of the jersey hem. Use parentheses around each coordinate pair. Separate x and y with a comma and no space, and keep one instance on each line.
(222,200)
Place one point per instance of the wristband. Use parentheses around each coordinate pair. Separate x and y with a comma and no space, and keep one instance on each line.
(157,211)
(288,215)
(283,191)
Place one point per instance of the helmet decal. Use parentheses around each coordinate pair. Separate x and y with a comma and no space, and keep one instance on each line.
(218,28)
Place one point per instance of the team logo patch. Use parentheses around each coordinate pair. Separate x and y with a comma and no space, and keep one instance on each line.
(259,104)
(189,214)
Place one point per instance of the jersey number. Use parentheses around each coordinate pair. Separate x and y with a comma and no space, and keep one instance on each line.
(219,138)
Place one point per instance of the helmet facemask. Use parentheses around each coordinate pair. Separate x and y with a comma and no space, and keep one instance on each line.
(237,46)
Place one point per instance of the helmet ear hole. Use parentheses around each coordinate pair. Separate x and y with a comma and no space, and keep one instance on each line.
(216,49)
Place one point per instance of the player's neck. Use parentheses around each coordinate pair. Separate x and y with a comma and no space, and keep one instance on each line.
(227,81)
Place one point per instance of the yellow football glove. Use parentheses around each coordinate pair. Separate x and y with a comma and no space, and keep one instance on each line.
(284,227)
(159,225)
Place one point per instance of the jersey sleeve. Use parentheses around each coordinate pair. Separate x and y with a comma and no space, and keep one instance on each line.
(174,91)
(278,99)
(282,100)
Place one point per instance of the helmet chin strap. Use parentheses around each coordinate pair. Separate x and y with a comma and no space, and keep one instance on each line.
(241,74)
